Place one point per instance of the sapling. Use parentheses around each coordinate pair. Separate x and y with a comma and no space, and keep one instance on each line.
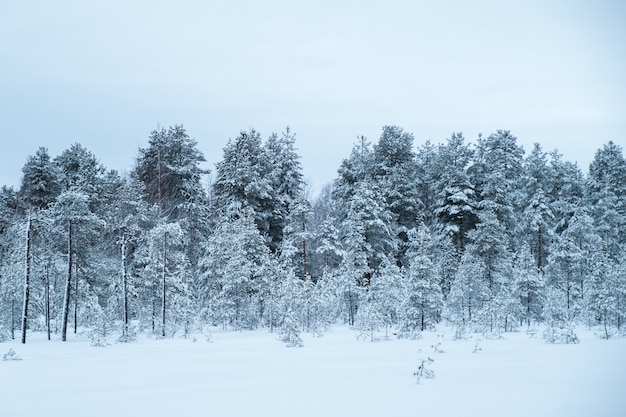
(437,348)
(11,356)
(423,371)
(477,347)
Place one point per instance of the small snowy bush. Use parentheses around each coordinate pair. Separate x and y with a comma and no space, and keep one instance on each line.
(437,348)
(290,333)
(98,341)
(423,371)
(560,334)
(11,356)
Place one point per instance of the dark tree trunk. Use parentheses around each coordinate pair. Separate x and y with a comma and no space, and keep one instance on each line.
(164,273)
(76,299)
(68,285)
(26,280)
(47,296)
(124,291)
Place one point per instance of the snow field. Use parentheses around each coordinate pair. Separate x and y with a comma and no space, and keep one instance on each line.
(253,374)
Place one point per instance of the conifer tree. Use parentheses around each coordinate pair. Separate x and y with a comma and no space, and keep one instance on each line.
(423,300)
(456,203)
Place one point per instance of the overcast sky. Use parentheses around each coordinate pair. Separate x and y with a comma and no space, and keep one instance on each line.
(107,73)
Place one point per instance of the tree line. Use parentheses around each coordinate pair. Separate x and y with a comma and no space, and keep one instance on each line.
(481,236)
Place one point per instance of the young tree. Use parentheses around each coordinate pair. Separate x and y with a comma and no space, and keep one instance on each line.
(468,293)
(127,222)
(71,212)
(423,300)
(166,269)
(234,263)
(530,284)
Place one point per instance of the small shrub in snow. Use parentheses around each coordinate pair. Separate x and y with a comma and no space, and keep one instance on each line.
(477,347)
(11,356)
(423,370)
(290,333)
(564,334)
(98,341)
(437,348)
(129,335)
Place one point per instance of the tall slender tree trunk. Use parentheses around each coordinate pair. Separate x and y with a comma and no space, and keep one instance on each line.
(68,284)
(26,279)
(124,291)
(164,273)
(12,317)
(47,296)
(159,185)
(303,251)
(539,250)
(76,298)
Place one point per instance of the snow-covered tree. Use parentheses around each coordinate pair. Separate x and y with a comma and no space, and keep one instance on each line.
(285,174)
(234,263)
(468,293)
(496,173)
(456,198)
(79,227)
(170,171)
(422,301)
(530,284)
(395,173)
(242,180)
(165,273)
(40,180)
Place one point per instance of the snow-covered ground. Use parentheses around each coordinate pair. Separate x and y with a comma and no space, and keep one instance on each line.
(253,374)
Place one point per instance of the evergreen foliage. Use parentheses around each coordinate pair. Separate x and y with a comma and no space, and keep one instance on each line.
(478,236)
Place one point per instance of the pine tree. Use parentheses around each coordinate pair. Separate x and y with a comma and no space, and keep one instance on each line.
(606,192)
(538,219)
(423,300)
(456,198)
(395,174)
(530,284)
(496,173)
(285,173)
(127,223)
(235,261)
(601,302)
(72,213)
(468,293)
(40,181)
(170,170)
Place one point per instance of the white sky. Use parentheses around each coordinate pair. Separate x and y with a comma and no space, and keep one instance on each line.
(106,73)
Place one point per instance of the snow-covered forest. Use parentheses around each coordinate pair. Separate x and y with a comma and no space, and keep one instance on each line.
(482,237)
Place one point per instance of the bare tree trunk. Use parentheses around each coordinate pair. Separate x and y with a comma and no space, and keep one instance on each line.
(26,279)
(68,285)
(164,273)
(12,317)
(76,298)
(47,295)
(159,173)
(124,290)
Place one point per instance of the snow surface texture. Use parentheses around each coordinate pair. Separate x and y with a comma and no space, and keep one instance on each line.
(254,374)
